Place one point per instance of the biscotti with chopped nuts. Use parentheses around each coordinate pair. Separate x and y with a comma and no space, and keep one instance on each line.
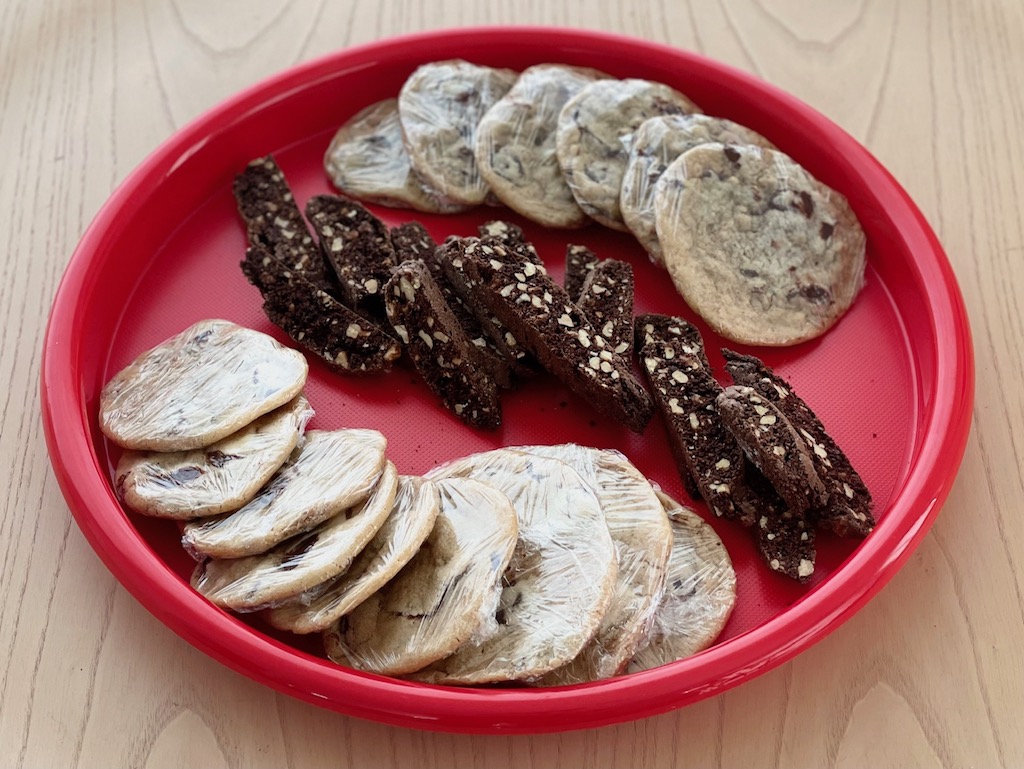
(775,448)
(606,299)
(849,508)
(540,314)
(508,233)
(448,256)
(357,245)
(785,539)
(579,261)
(672,358)
(273,221)
(317,321)
(439,347)
(412,241)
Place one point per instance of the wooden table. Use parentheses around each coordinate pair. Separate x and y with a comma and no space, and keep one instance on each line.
(928,674)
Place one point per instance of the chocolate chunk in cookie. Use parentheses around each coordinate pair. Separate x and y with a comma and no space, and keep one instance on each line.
(849,508)
(439,347)
(607,300)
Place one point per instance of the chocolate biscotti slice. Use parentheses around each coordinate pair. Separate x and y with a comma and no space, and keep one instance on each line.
(785,539)
(357,245)
(849,508)
(579,261)
(672,358)
(439,347)
(317,321)
(508,233)
(449,257)
(606,299)
(412,241)
(540,314)
(775,448)
(273,221)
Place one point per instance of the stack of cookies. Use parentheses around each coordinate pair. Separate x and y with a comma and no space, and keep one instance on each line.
(764,252)
(547,565)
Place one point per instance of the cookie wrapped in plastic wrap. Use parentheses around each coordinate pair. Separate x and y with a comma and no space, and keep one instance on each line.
(433,605)
(640,530)
(760,249)
(595,130)
(440,106)
(329,472)
(515,146)
(699,595)
(198,387)
(258,581)
(367,160)
(410,522)
(656,143)
(215,479)
(559,583)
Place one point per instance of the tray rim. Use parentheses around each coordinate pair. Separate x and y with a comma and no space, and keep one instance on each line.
(175,604)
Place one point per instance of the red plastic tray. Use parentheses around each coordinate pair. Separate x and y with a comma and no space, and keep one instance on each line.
(893,380)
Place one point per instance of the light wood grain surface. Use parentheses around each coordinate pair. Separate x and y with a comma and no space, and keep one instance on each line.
(928,674)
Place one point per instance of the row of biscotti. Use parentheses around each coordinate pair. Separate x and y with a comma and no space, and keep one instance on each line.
(754,451)
(548,564)
(762,250)
(366,292)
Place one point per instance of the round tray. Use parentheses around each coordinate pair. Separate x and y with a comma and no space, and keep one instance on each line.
(892,381)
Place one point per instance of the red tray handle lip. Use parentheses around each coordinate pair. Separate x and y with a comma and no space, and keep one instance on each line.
(172,601)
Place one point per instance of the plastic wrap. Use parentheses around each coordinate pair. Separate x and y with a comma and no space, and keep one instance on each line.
(561,578)
(656,143)
(215,479)
(367,160)
(434,603)
(440,106)
(761,250)
(247,584)
(515,145)
(699,595)
(198,387)
(595,131)
(395,543)
(329,472)
(640,530)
